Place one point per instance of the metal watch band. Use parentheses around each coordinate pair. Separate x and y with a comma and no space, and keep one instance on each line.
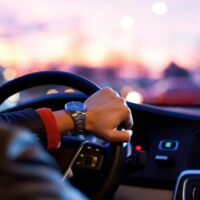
(79,119)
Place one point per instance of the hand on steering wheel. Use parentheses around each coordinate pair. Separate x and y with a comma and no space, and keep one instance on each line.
(106,111)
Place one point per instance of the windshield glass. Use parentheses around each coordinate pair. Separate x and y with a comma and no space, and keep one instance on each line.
(147,50)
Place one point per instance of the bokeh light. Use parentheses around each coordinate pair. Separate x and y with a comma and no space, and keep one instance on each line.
(69,90)
(126,45)
(127,22)
(159,8)
(52,91)
(134,97)
(9,74)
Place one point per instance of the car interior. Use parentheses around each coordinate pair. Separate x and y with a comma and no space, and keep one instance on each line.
(158,163)
(148,51)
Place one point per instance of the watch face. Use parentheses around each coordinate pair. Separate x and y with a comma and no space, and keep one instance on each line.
(75,106)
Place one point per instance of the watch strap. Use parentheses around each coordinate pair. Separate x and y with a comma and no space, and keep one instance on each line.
(79,119)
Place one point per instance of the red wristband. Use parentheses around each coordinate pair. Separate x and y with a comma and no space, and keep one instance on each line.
(52,131)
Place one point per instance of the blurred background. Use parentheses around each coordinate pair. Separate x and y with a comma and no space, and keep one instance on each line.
(149,51)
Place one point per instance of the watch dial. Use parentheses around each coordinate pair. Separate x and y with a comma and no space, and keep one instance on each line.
(75,106)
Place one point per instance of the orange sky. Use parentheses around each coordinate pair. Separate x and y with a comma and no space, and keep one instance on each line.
(99,33)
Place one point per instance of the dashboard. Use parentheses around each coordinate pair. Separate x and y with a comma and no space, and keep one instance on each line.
(170,136)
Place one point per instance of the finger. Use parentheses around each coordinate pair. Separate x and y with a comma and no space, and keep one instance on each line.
(128,119)
(119,136)
(128,123)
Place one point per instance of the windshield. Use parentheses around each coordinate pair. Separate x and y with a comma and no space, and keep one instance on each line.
(147,50)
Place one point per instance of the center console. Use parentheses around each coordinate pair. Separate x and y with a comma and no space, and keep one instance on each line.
(188,186)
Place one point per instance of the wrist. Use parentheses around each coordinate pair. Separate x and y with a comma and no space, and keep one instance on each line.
(64,121)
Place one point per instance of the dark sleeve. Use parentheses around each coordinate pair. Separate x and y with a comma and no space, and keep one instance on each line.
(27,172)
(29,119)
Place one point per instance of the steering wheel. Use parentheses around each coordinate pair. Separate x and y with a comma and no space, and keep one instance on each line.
(96,167)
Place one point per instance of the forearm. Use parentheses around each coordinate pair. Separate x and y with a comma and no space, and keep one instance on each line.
(57,124)
(27,118)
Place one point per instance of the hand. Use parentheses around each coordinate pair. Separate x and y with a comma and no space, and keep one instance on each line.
(106,111)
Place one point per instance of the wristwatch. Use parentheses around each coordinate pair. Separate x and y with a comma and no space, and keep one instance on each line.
(77,111)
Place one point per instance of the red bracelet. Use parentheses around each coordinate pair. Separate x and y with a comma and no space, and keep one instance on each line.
(52,131)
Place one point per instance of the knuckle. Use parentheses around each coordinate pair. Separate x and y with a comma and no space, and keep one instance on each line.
(122,100)
(114,93)
(110,91)
(107,89)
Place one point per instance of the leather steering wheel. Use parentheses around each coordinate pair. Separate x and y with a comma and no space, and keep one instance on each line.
(97,182)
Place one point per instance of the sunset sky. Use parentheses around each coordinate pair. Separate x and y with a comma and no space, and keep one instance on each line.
(100,32)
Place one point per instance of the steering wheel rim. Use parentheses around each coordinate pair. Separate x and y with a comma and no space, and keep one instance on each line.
(46,78)
(110,182)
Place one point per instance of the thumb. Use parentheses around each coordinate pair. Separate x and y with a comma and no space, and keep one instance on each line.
(119,136)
